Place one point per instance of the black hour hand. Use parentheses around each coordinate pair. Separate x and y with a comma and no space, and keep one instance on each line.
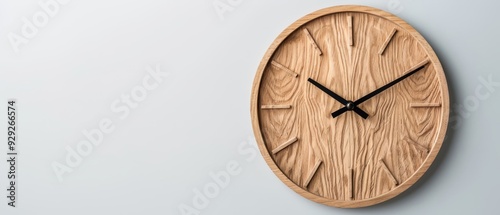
(349,105)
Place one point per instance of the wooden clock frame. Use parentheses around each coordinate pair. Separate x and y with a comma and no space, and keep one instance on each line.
(257,107)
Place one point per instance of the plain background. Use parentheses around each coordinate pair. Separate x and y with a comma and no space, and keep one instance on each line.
(197,121)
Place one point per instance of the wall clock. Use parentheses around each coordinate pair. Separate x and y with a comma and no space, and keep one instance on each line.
(350,106)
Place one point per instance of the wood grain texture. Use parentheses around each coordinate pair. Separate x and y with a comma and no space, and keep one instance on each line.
(349,146)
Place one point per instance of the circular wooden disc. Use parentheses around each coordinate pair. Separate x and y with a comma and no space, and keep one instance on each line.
(348,161)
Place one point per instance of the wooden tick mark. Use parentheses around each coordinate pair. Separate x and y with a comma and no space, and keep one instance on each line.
(284,68)
(417,145)
(388,172)
(349,28)
(387,41)
(284,145)
(424,105)
(313,172)
(312,41)
(266,107)
(351,183)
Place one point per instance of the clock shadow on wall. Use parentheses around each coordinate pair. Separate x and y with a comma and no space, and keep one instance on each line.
(350,107)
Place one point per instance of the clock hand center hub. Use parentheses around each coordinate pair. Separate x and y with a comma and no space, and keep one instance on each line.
(350,105)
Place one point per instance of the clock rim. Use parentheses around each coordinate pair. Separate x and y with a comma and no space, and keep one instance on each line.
(442,128)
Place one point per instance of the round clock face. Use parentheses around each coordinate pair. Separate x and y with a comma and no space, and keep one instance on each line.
(350,106)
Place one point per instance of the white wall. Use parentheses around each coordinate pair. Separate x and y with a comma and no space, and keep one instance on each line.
(196,121)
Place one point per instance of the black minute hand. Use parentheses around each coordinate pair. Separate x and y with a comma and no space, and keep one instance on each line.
(412,71)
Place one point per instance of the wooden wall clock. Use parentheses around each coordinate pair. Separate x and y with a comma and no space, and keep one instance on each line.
(350,106)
